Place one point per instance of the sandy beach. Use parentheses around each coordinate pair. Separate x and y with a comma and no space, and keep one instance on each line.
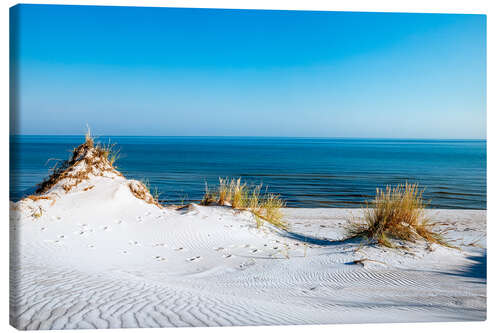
(97,256)
(248,165)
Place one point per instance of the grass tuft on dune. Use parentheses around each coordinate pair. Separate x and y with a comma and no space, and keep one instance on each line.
(396,213)
(86,159)
(238,195)
(90,159)
(141,191)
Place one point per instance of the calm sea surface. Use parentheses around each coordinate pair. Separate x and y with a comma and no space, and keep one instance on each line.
(307,172)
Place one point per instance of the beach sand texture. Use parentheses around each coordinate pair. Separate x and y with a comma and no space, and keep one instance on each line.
(99,257)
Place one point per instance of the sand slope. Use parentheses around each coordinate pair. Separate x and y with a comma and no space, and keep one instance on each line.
(102,258)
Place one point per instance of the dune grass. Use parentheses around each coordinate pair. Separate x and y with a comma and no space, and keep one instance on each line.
(238,195)
(97,159)
(89,159)
(210,196)
(38,197)
(109,152)
(37,213)
(396,213)
(142,191)
(268,208)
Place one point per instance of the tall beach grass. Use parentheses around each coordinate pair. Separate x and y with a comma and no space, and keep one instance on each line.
(233,192)
(397,213)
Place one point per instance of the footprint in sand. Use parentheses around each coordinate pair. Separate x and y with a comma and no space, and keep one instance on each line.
(159,258)
(254,250)
(52,241)
(193,259)
(179,249)
(227,255)
(124,252)
(135,243)
(62,236)
(218,248)
(91,246)
(246,264)
(42,229)
(106,228)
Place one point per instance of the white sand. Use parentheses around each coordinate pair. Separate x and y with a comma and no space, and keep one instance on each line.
(102,258)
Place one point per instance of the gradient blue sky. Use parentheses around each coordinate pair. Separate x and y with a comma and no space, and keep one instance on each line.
(168,71)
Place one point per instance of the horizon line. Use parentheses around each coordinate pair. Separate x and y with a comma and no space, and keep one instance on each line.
(257,136)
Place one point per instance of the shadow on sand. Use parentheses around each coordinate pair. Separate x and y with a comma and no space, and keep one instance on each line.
(477,269)
(316,240)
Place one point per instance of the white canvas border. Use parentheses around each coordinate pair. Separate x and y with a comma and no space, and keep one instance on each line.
(423,6)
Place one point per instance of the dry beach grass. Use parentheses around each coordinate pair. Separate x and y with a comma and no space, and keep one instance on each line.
(238,195)
(396,213)
(86,159)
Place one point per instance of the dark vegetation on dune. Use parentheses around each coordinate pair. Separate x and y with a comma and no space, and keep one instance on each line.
(86,159)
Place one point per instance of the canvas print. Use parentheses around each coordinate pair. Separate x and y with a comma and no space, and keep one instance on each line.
(178,167)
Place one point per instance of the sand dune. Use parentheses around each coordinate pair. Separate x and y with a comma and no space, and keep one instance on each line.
(99,257)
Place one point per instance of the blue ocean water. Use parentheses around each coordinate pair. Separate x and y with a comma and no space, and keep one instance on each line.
(307,172)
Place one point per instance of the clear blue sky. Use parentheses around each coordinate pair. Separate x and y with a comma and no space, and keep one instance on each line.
(167,71)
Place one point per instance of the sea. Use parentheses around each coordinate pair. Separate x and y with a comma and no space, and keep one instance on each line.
(306,172)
